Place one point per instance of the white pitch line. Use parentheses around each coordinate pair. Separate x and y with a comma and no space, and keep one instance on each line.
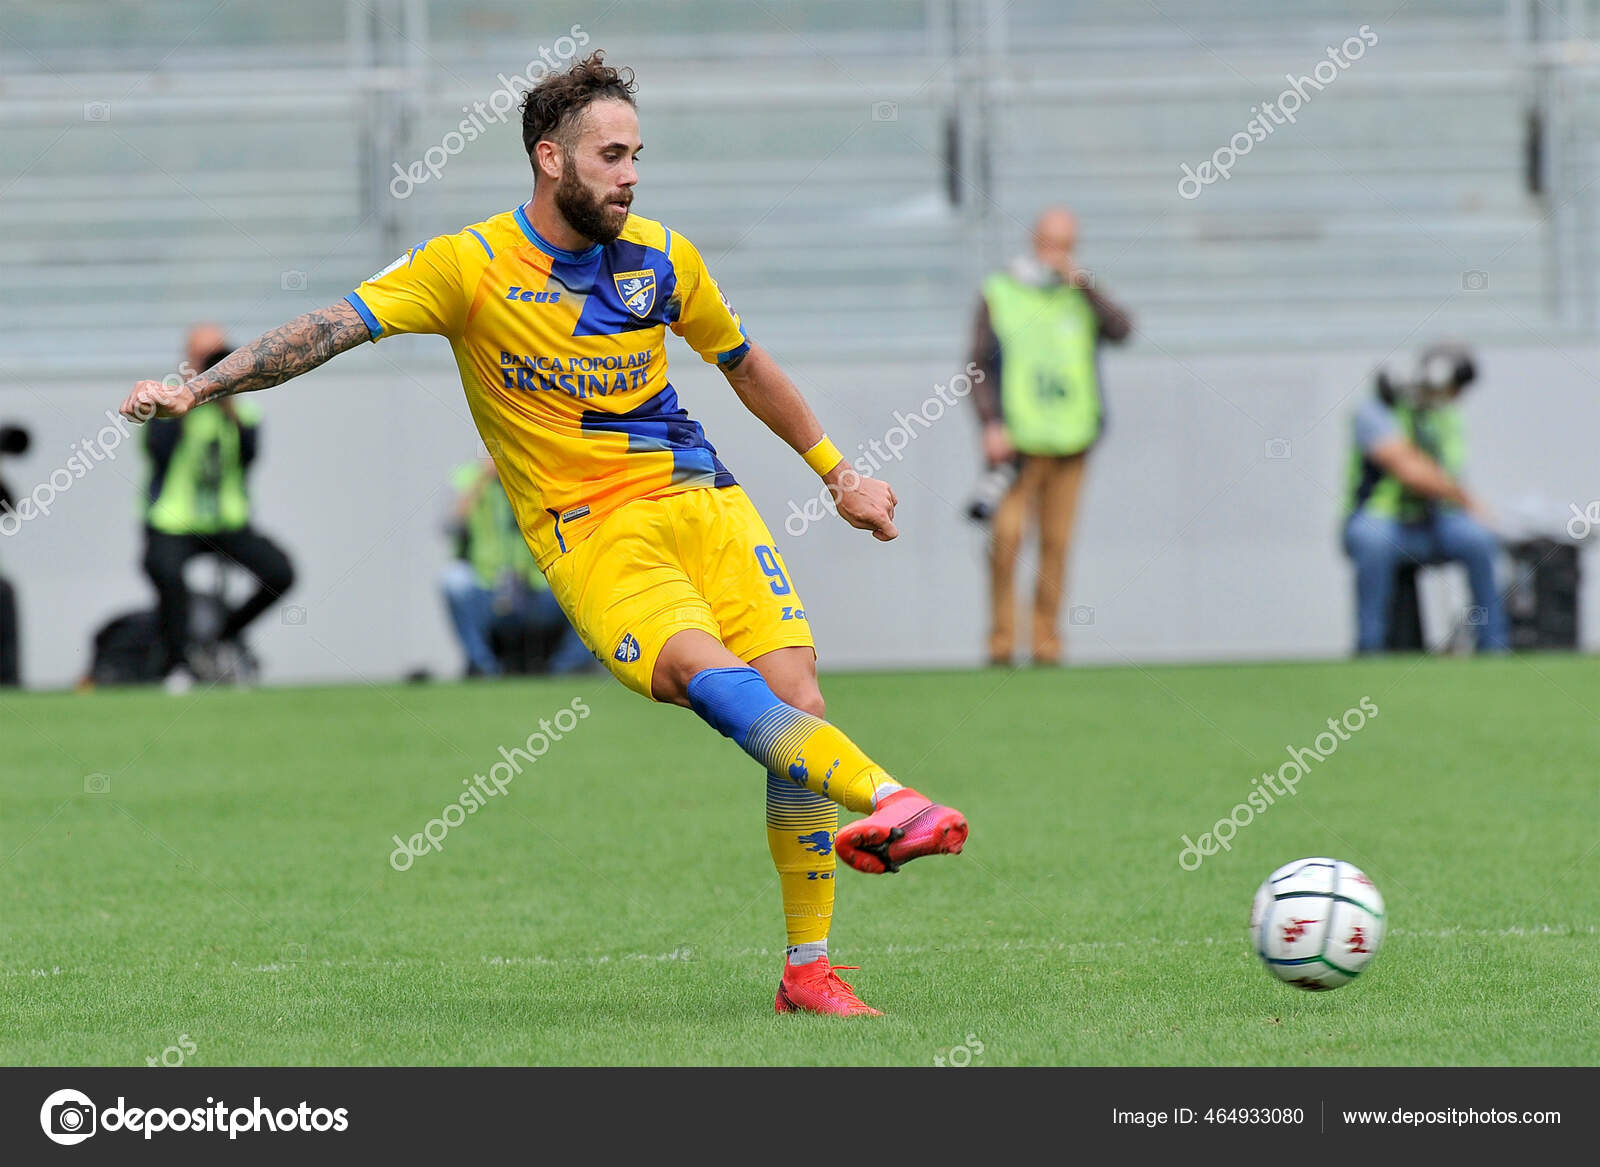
(686,953)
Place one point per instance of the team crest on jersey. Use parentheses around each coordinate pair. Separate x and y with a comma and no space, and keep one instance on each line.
(628,650)
(638,291)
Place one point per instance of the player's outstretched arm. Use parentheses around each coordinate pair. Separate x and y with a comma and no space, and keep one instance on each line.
(767,392)
(294,348)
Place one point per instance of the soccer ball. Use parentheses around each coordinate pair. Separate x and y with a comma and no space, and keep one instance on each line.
(1316,923)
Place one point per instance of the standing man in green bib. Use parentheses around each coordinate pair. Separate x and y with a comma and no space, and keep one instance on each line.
(196,502)
(1036,340)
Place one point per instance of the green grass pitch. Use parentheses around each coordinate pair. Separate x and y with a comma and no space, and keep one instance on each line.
(225,878)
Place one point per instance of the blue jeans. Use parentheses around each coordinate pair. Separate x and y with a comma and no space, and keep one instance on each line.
(473,611)
(1378,545)
(570,655)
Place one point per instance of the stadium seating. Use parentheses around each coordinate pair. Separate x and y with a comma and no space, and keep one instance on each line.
(244,158)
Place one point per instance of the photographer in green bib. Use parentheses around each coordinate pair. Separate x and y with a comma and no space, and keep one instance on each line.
(1036,341)
(1407,503)
(196,502)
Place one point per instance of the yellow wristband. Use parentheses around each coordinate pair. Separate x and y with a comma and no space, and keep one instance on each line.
(823,456)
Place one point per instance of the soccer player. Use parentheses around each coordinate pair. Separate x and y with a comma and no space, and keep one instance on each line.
(557,313)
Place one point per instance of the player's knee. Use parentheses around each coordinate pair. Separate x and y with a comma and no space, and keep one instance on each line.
(669,682)
(807,699)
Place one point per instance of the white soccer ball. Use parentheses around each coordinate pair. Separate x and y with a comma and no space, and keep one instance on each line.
(1316,923)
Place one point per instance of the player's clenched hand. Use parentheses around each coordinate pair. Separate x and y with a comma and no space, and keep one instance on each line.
(156,399)
(865,503)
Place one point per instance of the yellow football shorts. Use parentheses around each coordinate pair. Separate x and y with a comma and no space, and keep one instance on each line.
(655,566)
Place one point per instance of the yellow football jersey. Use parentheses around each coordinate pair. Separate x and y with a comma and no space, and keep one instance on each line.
(563,358)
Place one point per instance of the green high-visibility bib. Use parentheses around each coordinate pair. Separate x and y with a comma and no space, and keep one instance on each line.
(204,489)
(495,544)
(1437,433)
(1049,385)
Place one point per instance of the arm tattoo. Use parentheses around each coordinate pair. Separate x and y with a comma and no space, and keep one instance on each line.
(294,348)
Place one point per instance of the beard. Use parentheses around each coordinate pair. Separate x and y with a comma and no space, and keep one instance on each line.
(585,213)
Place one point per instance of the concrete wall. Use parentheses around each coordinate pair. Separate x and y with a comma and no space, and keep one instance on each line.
(1195,540)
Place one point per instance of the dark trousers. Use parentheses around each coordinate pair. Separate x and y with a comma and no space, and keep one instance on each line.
(10,647)
(164,559)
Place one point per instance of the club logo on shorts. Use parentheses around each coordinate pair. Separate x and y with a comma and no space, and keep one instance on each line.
(638,291)
(628,650)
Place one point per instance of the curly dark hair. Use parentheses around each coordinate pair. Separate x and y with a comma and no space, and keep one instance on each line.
(552,109)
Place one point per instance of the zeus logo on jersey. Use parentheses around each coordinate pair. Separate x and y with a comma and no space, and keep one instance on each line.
(528,295)
(628,650)
(638,291)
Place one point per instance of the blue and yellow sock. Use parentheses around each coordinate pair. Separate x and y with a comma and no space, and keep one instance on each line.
(804,750)
(800,830)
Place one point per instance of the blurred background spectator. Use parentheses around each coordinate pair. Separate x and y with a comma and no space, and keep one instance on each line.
(1036,340)
(1407,504)
(500,605)
(14,440)
(197,502)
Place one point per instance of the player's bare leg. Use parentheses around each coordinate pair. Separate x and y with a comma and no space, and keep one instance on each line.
(683,657)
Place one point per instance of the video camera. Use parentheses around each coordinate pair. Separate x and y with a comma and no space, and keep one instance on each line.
(995,484)
(1442,371)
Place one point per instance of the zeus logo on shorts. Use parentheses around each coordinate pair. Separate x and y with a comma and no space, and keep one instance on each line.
(628,650)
